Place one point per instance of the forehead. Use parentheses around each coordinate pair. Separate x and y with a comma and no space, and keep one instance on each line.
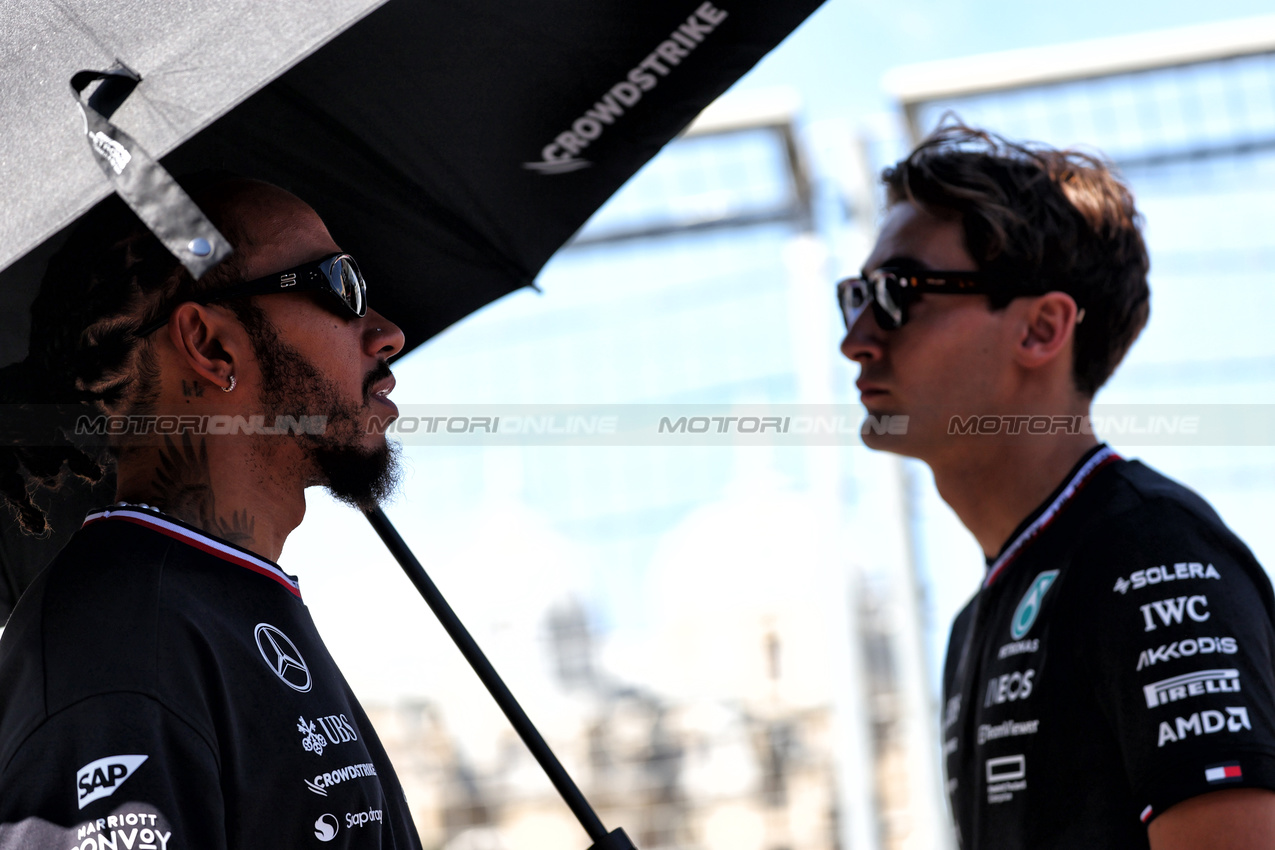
(913,236)
(280,230)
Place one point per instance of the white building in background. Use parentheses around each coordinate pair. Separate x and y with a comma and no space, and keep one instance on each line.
(709,636)
(736,646)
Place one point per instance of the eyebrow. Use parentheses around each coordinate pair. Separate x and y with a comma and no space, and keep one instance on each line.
(903,264)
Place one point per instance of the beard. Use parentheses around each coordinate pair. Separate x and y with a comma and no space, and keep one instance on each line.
(357,475)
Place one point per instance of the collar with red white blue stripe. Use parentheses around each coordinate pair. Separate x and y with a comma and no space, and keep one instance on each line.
(1103,456)
(155,520)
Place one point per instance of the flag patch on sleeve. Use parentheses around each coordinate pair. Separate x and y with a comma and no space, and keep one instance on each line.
(1146,815)
(1228,772)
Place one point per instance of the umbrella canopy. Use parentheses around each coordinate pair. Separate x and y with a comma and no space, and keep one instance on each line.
(451,145)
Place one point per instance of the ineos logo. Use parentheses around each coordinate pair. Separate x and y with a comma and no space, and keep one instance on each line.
(282,656)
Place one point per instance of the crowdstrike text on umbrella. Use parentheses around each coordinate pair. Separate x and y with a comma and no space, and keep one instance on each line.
(560,155)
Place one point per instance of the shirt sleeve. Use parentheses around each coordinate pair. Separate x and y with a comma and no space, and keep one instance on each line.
(1179,647)
(115,770)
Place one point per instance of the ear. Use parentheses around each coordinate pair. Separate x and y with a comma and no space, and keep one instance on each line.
(209,339)
(1049,325)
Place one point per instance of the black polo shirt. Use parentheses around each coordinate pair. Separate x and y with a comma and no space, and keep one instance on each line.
(1117,660)
(161,688)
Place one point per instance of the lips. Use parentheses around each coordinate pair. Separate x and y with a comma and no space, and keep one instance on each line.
(378,385)
(868,389)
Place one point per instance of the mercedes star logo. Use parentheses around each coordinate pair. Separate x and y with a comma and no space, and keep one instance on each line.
(283,657)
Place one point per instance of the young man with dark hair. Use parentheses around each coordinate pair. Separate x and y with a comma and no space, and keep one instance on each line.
(161,683)
(1111,684)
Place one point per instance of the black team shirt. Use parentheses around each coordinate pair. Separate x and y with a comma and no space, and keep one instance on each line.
(161,689)
(1117,660)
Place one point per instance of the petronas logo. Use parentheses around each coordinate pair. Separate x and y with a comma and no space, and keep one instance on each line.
(1029,607)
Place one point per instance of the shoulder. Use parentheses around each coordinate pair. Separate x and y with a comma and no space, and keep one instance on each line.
(94,621)
(1143,527)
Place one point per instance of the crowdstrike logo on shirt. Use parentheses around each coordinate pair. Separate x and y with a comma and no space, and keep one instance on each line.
(323,781)
(102,777)
(1156,575)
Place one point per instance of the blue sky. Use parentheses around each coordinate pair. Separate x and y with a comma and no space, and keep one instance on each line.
(837,57)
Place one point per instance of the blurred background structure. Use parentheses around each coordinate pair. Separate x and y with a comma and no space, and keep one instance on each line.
(737,646)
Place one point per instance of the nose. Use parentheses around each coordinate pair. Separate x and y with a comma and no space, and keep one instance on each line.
(865,340)
(382,338)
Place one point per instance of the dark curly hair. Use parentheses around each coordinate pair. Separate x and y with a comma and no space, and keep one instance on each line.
(110,279)
(1040,220)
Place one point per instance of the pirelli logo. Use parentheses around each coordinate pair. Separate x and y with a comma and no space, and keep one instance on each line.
(1194,684)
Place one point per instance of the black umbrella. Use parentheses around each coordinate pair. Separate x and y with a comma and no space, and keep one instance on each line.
(452,145)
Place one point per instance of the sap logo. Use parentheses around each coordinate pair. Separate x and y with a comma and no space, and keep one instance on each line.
(1195,684)
(1155,575)
(354,819)
(1009,688)
(325,828)
(1029,606)
(1187,648)
(1170,611)
(1204,723)
(100,778)
(336,730)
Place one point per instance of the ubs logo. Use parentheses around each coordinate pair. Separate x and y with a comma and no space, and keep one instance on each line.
(282,656)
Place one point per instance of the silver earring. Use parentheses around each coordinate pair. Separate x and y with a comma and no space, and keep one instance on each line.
(231,387)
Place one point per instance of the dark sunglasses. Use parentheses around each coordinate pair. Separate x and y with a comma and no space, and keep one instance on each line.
(338,275)
(891,292)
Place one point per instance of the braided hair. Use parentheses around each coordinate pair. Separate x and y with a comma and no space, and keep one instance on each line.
(111,278)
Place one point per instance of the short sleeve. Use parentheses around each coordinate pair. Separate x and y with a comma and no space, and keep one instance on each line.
(115,770)
(1179,645)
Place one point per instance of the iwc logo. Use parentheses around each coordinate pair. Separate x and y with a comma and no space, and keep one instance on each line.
(282,656)
(1029,607)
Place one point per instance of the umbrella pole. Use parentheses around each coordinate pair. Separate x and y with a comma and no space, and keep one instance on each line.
(602,840)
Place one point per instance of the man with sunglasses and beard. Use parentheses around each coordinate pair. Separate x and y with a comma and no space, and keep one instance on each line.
(1111,685)
(161,682)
